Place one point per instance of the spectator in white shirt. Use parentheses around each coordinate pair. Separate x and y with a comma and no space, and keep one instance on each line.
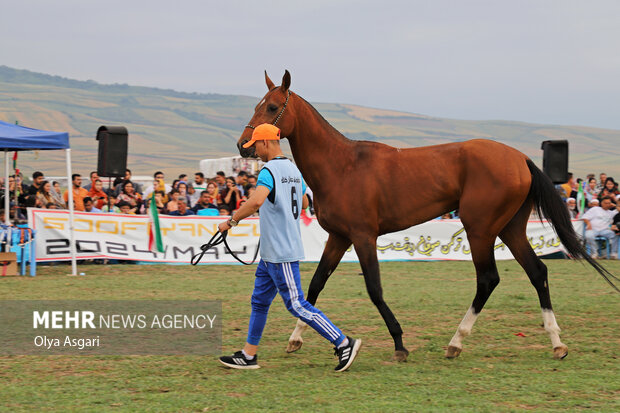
(598,222)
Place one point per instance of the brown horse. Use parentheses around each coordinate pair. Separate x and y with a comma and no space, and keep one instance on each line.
(493,186)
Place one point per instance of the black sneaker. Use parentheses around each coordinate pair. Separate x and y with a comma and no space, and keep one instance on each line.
(238,361)
(347,354)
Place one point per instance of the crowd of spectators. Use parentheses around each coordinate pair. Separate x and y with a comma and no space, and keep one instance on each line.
(595,201)
(219,195)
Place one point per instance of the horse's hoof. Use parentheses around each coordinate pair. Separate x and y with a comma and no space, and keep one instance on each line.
(453,352)
(560,352)
(294,345)
(400,356)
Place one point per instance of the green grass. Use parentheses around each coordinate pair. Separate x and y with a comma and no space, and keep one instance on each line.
(497,371)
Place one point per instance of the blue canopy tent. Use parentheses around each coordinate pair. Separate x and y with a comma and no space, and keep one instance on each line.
(20,138)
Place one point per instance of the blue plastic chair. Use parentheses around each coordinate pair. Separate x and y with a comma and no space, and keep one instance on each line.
(11,238)
(603,242)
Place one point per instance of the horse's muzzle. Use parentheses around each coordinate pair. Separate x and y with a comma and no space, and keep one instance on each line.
(246,152)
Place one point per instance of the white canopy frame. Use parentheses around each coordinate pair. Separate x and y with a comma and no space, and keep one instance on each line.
(7,218)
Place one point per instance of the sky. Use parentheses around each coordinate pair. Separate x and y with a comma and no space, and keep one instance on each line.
(543,61)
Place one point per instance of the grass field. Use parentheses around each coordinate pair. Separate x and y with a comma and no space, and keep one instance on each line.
(497,371)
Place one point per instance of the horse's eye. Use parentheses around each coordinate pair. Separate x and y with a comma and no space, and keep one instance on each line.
(272,108)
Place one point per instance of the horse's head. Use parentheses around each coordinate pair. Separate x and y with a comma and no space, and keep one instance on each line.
(271,109)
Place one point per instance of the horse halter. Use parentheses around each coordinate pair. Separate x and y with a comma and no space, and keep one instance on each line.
(275,122)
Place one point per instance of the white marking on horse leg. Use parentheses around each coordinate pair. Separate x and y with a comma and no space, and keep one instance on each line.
(551,326)
(300,327)
(464,328)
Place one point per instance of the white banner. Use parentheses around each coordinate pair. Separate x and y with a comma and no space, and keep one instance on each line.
(125,237)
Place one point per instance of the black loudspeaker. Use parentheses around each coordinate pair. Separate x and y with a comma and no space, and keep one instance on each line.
(112,155)
(555,160)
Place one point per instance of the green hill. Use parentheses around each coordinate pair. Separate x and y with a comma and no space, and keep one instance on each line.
(173,131)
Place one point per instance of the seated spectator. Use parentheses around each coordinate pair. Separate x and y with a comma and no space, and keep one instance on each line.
(37,181)
(571,204)
(130,196)
(98,195)
(598,221)
(112,201)
(125,208)
(213,193)
(590,190)
(79,193)
(220,180)
(172,204)
(183,209)
(224,210)
(251,183)
(242,181)
(204,202)
(116,185)
(185,191)
(158,185)
(57,194)
(137,187)
(51,205)
(609,190)
(93,177)
(159,203)
(89,205)
(44,194)
(11,191)
(31,202)
(231,196)
(570,187)
(199,185)
(119,187)
(56,188)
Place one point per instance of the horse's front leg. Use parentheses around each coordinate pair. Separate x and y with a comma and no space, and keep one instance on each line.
(366,250)
(332,254)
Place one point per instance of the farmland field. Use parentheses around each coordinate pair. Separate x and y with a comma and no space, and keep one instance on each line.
(497,371)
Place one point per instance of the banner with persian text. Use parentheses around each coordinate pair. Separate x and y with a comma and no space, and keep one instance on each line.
(125,237)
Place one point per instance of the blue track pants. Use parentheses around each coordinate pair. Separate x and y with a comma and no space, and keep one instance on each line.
(284,278)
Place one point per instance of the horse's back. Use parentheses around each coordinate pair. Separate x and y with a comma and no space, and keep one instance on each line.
(440,178)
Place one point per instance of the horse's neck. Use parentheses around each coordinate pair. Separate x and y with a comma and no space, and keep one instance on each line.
(318,148)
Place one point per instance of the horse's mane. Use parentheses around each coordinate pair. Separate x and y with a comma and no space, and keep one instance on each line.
(336,132)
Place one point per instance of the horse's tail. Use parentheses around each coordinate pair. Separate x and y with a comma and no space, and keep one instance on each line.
(549,205)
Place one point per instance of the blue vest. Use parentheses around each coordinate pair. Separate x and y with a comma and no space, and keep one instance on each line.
(280,235)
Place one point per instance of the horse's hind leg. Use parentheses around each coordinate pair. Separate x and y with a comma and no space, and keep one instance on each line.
(514,236)
(366,250)
(332,254)
(487,279)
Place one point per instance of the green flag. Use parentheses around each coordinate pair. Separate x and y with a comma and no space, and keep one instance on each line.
(581,199)
(156,243)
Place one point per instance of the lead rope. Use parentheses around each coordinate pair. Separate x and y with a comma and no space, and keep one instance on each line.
(215,240)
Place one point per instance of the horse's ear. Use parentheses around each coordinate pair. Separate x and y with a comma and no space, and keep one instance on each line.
(286,81)
(270,84)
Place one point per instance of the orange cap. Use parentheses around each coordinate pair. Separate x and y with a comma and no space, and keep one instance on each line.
(264,132)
